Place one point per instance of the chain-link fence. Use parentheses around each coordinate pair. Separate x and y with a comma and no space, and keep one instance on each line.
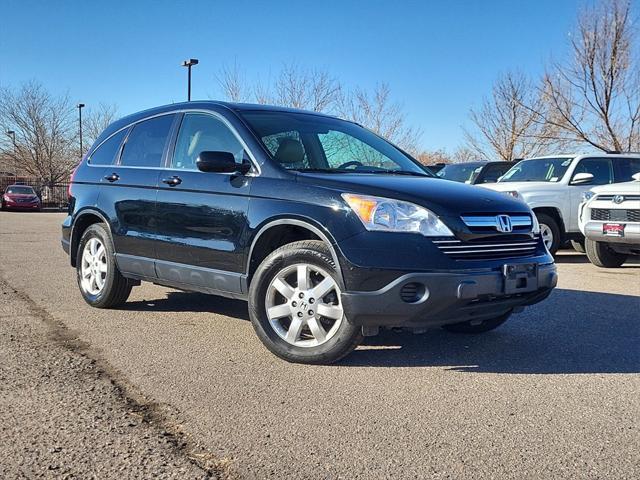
(52,195)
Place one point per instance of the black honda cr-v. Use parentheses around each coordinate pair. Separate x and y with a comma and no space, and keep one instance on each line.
(329,231)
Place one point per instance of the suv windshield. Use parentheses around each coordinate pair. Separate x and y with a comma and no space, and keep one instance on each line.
(307,142)
(537,170)
(460,172)
(21,190)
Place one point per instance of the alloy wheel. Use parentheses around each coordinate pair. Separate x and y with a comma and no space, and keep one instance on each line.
(547,235)
(303,305)
(94,268)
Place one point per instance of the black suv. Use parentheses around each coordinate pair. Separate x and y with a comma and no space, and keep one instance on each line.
(329,231)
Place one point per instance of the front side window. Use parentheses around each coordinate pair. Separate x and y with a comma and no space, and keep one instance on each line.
(459,172)
(203,133)
(307,142)
(106,153)
(626,168)
(600,168)
(538,170)
(146,142)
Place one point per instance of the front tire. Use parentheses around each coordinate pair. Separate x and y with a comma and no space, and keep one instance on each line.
(578,245)
(101,283)
(601,255)
(295,305)
(550,232)
(477,326)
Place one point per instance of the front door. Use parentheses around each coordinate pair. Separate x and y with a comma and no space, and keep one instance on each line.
(202,216)
(602,171)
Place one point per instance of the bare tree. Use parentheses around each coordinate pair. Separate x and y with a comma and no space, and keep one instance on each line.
(314,90)
(431,157)
(232,83)
(45,132)
(595,94)
(377,112)
(95,121)
(508,123)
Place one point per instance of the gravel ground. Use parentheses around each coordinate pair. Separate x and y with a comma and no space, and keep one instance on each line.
(553,393)
(62,416)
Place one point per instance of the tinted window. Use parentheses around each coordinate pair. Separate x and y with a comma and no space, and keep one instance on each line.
(203,133)
(538,170)
(626,168)
(146,142)
(493,172)
(600,168)
(105,153)
(459,172)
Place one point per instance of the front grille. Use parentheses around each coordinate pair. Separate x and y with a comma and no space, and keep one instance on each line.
(520,223)
(616,215)
(487,250)
(625,198)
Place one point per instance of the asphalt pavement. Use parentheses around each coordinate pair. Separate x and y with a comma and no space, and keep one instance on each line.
(553,393)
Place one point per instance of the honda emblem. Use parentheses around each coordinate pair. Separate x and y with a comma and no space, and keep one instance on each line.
(503,223)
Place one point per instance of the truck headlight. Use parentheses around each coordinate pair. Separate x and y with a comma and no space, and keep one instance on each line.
(388,215)
(513,193)
(535,227)
(588,195)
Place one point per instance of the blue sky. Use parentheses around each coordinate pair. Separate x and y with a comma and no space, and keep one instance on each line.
(439,57)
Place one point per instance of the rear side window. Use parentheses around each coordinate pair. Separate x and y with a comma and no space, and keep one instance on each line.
(106,153)
(600,168)
(146,142)
(626,168)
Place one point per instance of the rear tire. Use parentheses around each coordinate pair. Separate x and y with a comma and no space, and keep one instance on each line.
(289,293)
(481,327)
(101,283)
(601,255)
(550,232)
(578,245)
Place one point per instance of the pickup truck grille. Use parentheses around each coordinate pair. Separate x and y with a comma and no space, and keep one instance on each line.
(487,250)
(616,215)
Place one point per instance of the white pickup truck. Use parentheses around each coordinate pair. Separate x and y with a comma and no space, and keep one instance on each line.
(553,187)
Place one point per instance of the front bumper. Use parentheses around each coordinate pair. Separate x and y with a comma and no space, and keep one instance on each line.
(447,298)
(21,206)
(593,231)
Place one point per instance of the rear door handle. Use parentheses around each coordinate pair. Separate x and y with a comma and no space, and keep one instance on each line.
(172,181)
(114,177)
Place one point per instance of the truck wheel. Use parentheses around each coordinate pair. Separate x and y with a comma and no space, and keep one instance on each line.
(477,326)
(101,283)
(550,232)
(578,245)
(295,305)
(601,255)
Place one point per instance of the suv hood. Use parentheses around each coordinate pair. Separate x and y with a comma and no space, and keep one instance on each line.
(443,197)
(625,187)
(523,186)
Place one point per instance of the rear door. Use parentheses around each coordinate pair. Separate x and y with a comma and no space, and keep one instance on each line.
(202,216)
(129,191)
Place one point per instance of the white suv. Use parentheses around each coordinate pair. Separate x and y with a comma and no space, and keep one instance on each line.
(610,222)
(553,188)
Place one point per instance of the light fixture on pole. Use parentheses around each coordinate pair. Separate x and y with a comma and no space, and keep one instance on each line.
(189,63)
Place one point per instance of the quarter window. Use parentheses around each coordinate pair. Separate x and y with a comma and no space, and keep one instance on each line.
(106,153)
(203,133)
(146,142)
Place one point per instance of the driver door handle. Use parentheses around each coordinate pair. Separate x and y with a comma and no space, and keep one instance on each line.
(114,177)
(172,181)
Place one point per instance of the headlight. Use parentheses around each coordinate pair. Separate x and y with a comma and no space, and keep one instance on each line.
(513,193)
(588,195)
(535,227)
(387,215)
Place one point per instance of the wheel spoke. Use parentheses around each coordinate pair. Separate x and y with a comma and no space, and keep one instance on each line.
(294,330)
(86,273)
(279,311)
(86,257)
(330,311)
(93,246)
(103,267)
(99,282)
(303,277)
(324,287)
(283,287)
(317,330)
(100,252)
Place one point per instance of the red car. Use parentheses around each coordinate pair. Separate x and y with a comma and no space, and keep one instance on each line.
(21,197)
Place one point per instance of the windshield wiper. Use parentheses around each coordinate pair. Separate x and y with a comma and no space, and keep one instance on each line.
(399,172)
(320,170)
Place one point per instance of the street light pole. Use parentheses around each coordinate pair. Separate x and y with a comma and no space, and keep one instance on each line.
(189,63)
(80,107)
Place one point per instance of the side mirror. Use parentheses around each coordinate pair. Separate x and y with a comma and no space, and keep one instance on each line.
(220,162)
(582,179)
(636,177)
